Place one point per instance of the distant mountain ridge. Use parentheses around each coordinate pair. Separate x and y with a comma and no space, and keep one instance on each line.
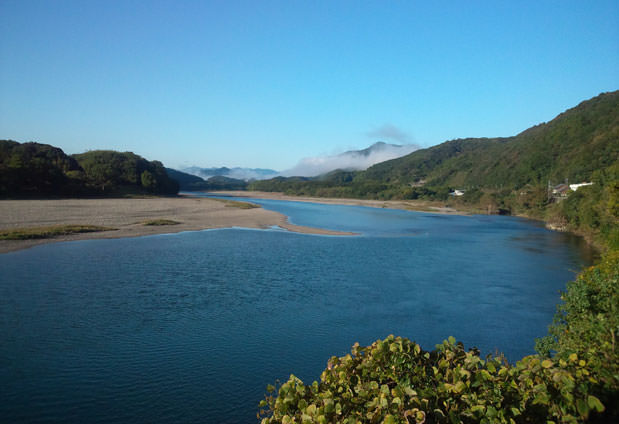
(352,160)
(503,175)
(571,147)
(245,174)
(190,182)
(374,148)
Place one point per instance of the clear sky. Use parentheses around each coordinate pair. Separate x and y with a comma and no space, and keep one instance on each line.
(265,83)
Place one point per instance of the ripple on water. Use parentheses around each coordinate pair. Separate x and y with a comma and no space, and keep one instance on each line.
(191,327)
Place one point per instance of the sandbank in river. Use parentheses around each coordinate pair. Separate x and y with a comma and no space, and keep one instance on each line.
(127,217)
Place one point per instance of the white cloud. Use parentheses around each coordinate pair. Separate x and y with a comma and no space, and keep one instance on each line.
(353,160)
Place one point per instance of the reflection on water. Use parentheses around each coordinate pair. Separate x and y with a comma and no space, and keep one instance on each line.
(190,327)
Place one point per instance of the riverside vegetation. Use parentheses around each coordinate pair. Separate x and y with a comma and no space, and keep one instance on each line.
(509,175)
(574,377)
(38,170)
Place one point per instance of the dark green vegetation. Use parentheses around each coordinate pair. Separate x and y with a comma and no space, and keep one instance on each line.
(191,182)
(502,175)
(34,170)
(49,232)
(592,211)
(158,222)
(574,379)
(237,204)
(575,376)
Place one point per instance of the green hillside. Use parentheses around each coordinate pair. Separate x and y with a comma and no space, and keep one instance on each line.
(191,182)
(34,169)
(508,175)
(572,146)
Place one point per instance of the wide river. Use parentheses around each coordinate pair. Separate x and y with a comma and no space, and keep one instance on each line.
(191,327)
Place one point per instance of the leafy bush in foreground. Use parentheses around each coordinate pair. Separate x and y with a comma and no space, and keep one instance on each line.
(587,322)
(395,381)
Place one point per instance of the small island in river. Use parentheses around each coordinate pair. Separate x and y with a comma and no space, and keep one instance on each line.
(132,217)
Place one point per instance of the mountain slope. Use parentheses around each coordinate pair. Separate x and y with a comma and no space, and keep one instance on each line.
(504,175)
(34,169)
(571,146)
(190,182)
(352,160)
(245,174)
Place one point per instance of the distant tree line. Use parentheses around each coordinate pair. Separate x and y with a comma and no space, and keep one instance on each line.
(189,182)
(501,175)
(34,169)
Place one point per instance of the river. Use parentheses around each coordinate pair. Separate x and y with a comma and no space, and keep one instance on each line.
(191,327)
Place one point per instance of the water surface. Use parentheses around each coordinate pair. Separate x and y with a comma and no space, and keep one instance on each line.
(190,327)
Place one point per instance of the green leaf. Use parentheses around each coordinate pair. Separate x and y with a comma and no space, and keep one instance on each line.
(389,419)
(582,407)
(594,403)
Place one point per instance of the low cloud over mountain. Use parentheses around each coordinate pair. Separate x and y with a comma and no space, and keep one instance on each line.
(351,160)
(245,174)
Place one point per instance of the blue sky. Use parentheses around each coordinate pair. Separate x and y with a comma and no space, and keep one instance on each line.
(265,83)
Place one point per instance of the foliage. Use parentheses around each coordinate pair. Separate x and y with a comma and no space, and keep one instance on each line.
(33,169)
(237,204)
(36,169)
(48,232)
(158,222)
(191,182)
(587,324)
(114,172)
(502,175)
(395,381)
(593,210)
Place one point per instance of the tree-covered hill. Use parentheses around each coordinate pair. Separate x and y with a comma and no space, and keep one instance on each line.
(111,171)
(190,182)
(570,147)
(34,169)
(505,175)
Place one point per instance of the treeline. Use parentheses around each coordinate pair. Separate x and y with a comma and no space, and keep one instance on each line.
(574,377)
(34,169)
(508,175)
(189,182)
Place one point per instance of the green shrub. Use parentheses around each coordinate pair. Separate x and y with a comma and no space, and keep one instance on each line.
(395,381)
(49,232)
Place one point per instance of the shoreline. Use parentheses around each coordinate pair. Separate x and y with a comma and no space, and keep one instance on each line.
(127,217)
(409,205)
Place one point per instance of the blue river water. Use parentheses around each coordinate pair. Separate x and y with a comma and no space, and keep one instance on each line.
(191,327)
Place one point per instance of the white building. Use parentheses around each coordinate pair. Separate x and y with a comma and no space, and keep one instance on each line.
(575,187)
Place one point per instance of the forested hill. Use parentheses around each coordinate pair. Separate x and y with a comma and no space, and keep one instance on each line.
(34,169)
(503,175)
(191,182)
(570,147)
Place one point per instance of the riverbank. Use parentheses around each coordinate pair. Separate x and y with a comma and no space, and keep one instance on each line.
(410,205)
(128,217)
